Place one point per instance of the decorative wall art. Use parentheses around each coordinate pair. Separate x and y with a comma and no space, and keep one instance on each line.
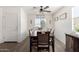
(63,16)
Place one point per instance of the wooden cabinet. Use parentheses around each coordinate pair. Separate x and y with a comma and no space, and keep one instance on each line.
(72,43)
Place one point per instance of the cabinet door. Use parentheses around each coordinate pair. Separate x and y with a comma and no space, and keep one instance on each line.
(10,22)
(76,44)
(69,43)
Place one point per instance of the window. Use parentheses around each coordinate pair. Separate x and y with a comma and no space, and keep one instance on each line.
(75,20)
(38,20)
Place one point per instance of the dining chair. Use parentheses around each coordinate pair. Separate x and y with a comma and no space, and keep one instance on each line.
(43,41)
(52,39)
(33,41)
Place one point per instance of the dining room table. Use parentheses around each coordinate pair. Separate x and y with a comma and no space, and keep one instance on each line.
(35,37)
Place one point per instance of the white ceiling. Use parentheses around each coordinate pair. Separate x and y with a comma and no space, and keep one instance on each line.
(31,9)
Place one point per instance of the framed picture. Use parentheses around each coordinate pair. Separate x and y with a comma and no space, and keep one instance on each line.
(63,16)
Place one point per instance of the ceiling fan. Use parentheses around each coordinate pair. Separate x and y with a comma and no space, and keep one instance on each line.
(43,8)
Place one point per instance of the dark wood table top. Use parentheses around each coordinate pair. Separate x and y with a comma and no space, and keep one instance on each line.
(36,36)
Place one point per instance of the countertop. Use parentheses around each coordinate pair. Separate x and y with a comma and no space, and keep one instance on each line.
(75,35)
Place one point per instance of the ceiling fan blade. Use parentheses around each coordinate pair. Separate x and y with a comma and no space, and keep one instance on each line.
(46,7)
(46,11)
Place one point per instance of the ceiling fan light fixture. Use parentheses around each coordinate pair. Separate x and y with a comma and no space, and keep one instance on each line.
(43,9)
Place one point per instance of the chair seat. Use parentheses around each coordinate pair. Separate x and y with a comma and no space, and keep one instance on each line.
(33,40)
(42,45)
(34,44)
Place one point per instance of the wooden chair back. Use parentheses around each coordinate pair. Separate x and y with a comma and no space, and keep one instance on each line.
(43,38)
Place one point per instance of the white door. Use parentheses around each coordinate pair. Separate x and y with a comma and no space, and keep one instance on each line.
(11,24)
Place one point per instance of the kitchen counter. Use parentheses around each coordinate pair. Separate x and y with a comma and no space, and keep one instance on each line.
(75,35)
(72,42)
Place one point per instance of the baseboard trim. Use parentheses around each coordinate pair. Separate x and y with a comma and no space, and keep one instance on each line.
(61,43)
(10,42)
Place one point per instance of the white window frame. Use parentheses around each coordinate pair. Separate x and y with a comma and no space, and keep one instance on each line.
(41,17)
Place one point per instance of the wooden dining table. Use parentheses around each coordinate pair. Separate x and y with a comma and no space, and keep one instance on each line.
(35,38)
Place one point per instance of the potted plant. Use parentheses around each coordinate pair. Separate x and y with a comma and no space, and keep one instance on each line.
(77,28)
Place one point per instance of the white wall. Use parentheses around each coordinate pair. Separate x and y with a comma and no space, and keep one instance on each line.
(49,21)
(30,21)
(1,36)
(23,25)
(63,26)
(31,17)
(63,10)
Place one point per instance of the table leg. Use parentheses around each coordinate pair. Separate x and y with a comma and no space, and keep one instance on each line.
(53,44)
(30,45)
